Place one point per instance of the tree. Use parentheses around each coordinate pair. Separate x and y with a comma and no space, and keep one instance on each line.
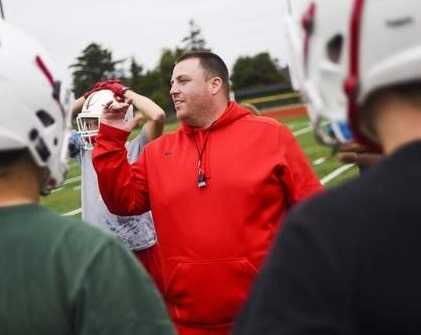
(165,67)
(194,40)
(134,81)
(94,64)
(257,71)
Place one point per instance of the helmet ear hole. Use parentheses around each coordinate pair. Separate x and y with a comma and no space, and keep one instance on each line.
(45,118)
(334,48)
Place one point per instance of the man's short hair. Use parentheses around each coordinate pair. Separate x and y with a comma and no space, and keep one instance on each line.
(10,157)
(211,63)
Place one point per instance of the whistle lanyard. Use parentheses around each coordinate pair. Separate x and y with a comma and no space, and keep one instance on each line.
(201,175)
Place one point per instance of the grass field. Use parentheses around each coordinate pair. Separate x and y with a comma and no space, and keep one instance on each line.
(66,200)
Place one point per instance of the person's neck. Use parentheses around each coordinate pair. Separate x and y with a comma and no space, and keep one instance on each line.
(398,125)
(214,114)
(18,187)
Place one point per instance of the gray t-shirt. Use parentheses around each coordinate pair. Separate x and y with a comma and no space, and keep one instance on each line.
(137,232)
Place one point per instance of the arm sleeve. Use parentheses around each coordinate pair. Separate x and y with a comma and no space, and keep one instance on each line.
(116,296)
(123,187)
(135,146)
(298,177)
(301,289)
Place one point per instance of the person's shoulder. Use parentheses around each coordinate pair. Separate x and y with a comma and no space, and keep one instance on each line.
(341,205)
(71,231)
(267,124)
(261,120)
(167,139)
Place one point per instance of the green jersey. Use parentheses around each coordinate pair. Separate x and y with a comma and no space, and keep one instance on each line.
(61,276)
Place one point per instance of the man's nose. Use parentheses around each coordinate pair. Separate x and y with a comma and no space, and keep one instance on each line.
(173,90)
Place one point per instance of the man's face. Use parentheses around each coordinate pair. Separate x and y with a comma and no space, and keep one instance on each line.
(190,91)
(91,123)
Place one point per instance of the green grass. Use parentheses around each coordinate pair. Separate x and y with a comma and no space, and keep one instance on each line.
(67,198)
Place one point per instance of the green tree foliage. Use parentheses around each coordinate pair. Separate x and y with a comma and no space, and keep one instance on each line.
(136,76)
(94,64)
(165,67)
(257,71)
(194,40)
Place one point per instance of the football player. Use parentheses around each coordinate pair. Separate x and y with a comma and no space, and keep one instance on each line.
(346,261)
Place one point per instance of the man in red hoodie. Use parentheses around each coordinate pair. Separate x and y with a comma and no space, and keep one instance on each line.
(218,188)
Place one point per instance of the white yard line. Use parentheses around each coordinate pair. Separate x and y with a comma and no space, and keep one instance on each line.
(71,180)
(67,181)
(303,131)
(73,212)
(319,161)
(335,173)
(56,190)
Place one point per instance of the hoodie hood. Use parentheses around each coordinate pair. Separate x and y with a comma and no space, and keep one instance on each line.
(232,113)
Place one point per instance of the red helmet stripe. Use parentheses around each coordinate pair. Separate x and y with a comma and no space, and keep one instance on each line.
(351,83)
(307,22)
(44,69)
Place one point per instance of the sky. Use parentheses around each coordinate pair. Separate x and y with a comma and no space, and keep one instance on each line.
(141,29)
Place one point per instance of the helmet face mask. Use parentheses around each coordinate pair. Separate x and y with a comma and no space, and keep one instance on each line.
(89,118)
(88,126)
(35,105)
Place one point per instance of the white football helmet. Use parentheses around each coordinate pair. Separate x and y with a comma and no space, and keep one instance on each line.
(35,105)
(350,48)
(294,34)
(89,118)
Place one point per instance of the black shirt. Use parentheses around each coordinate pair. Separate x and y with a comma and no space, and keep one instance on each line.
(348,261)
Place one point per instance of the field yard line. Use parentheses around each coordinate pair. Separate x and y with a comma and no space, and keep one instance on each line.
(71,180)
(73,212)
(67,181)
(335,173)
(303,131)
(319,161)
(56,190)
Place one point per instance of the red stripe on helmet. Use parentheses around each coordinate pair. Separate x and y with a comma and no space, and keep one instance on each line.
(47,73)
(307,22)
(351,83)
(44,69)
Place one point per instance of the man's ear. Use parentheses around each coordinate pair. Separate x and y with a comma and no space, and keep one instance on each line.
(215,85)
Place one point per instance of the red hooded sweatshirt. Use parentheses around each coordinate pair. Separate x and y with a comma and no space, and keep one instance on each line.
(212,239)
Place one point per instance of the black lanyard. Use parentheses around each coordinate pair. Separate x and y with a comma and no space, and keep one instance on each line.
(201,175)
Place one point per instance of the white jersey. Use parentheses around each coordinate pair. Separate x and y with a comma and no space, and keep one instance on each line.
(137,232)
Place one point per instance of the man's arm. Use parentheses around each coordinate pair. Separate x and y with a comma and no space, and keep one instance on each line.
(298,178)
(115,296)
(154,114)
(123,187)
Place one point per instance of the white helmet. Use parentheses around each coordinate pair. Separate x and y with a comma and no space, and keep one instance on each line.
(35,107)
(89,118)
(294,40)
(350,48)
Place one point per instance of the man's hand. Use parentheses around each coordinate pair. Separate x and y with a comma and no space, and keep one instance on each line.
(113,85)
(358,154)
(114,115)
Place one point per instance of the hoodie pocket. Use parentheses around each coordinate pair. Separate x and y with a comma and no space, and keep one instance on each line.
(209,292)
